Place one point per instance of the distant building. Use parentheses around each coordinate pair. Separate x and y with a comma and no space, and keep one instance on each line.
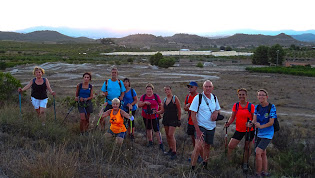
(291,63)
(184,50)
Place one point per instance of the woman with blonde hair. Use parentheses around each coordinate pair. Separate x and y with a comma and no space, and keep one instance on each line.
(39,86)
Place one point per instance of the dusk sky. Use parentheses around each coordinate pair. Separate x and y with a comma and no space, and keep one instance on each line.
(178,16)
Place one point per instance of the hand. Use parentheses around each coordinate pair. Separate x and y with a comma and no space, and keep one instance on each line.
(104,93)
(53,93)
(214,116)
(130,107)
(226,125)
(120,98)
(132,118)
(249,124)
(147,103)
(199,135)
(257,124)
(81,99)
(20,90)
(76,99)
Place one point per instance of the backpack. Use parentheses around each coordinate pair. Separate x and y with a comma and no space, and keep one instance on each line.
(80,86)
(276,124)
(173,98)
(155,96)
(106,81)
(200,99)
(249,107)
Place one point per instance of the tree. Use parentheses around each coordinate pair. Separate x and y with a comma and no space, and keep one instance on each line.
(228,48)
(261,55)
(154,59)
(276,54)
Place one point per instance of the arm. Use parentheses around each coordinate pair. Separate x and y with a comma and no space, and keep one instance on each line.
(122,94)
(26,87)
(91,94)
(187,105)
(214,115)
(124,114)
(107,113)
(231,119)
(270,123)
(49,88)
(161,111)
(194,119)
(179,111)
(135,100)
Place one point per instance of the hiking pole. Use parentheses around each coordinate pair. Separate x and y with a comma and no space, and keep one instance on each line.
(256,133)
(20,103)
(54,107)
(226,138)
(68,113)
(245,169)
(130,113)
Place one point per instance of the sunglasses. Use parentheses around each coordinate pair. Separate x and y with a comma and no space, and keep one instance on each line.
(190,86)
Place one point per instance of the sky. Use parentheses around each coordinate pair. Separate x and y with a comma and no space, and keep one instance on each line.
(174,16)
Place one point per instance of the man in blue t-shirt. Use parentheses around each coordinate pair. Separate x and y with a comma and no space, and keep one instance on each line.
(263,121)
(112,88)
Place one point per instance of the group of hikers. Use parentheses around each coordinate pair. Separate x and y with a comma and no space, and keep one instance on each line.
(121,102)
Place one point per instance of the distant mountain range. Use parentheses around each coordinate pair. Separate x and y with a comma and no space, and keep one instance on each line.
(176,41)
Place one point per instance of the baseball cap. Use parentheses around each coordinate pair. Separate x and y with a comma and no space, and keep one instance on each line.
(193,84)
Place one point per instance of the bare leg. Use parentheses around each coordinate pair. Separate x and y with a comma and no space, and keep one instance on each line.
(259,153)
(172,141)
(206,152)
(264,161)
(233,143)
(196,152)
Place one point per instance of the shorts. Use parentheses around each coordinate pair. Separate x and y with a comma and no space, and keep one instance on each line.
(149,122)
(190,129)
(239,135)
(127,121)
(208,135)
(85,107)
(39,103)
(172,123)
(262,143)
(121,134)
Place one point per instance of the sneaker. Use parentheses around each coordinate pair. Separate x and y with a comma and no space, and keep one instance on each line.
(150,144)
(173,155)
(245,167)
(162,147)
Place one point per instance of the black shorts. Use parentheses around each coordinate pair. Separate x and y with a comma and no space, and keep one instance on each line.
(262,143)
(208,135)
(149,122)
(127,121)
(172,123)
(190,129)
(239,135)
(85,107)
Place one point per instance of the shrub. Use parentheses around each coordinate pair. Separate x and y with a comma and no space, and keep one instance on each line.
(3,65)
(166,62)
(154,59)
(8,87)
(199,65)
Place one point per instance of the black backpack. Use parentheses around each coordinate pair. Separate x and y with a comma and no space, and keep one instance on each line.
(220,117)
(276,125)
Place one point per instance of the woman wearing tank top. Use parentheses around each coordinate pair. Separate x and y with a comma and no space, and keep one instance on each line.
(39,97)
(84,95)
(117,128)
(171,119)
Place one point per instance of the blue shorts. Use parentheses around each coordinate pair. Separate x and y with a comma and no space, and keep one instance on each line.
(262,143)
(121,134)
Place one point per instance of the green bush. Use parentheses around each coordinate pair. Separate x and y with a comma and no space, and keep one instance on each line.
(3,65)
(199,65)
(155,59)
(166,62)
(294,70)
(8,87)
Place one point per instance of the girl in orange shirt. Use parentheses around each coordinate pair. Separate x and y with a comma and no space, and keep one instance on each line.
(117,128)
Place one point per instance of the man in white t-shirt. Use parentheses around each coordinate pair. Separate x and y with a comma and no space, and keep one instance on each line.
(203,117)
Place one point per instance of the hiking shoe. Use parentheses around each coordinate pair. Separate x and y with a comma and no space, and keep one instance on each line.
(162,147)
(150,144)
(245,167)
(173,155)
(168,153)
(205,165)
(265,174)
